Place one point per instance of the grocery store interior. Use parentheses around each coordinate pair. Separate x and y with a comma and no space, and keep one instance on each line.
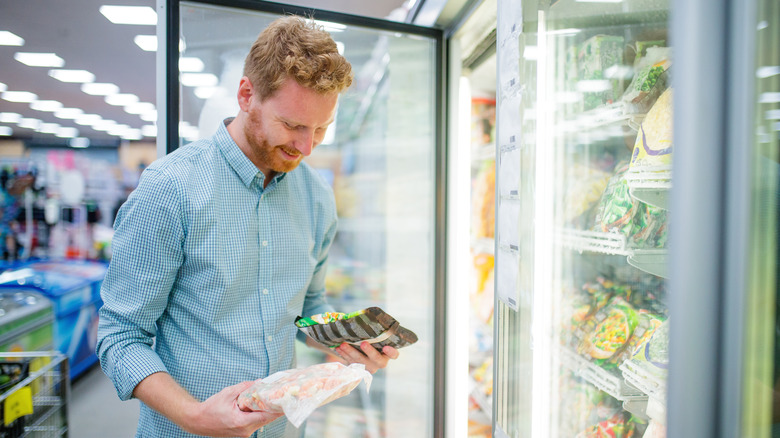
(508,188)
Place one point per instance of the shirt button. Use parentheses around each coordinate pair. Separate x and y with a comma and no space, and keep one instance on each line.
(265,243)
(269,338)
(265,291)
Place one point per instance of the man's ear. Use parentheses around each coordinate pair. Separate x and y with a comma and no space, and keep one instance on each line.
(245,93)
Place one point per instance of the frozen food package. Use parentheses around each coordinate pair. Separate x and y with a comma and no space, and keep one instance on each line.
(617,208)
(647,323)
(583,191)
(651,77)
(650,225)
(653,146)
(594,57)
(298,392)
(616,324)
(372,324)
(652,356)
(620,425)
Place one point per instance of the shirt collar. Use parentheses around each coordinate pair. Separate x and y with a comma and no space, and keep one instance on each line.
(244,168)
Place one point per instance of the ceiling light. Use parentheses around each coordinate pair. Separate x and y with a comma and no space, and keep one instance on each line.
(191,64)
(149,130)
(19,96)
(767,71)
(139,107)
(88,119)
(49,128)
(10,117)
(205,92)
(29,123)
(67,132)
(74,76)
(104,125)
(769,97)
(132,134)
(68,113)
(121,99)
(39,59)
(151,116)
(129,14)
(199,80)
(3,86)
(146,42)
(10,39)
(6,130)
(118,129)
(79,142)
(45,105)
(99,89)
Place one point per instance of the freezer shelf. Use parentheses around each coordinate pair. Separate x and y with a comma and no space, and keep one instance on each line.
(613,385)
(652,261)
(650,185)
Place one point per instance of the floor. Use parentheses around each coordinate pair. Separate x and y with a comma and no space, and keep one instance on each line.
(95,411)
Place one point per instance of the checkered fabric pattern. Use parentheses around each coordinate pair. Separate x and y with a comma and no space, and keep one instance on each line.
(209,271)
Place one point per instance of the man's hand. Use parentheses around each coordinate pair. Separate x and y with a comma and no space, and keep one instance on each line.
(367,355)
(219,415)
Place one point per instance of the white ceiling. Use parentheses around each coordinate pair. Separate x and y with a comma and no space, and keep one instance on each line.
(77,32)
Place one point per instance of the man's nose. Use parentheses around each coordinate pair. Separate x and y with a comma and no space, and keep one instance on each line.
(304,142)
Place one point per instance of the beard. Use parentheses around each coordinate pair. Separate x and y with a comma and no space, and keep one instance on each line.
(263,153)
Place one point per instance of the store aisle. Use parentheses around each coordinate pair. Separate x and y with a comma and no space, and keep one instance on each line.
(95,411)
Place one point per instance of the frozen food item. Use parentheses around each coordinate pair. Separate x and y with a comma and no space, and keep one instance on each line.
(655,430)
(617,208)
(647,323)
(484,201)
(582,404)
(653,146)
(483,121)
(298,392)
(583,191)
(616,324)
(651,78)
(652,356)
(481,295)
(371,324)
(650,224)
(620,425)
(596,55)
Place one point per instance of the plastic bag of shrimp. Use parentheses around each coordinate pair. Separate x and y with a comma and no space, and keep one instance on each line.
(298,392)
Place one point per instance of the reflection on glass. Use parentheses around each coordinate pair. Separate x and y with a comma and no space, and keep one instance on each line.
(379,158)
(761,384)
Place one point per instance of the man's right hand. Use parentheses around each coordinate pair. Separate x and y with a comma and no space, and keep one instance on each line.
(218,416)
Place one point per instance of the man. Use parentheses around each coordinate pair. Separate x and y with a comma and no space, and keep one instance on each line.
(223,243)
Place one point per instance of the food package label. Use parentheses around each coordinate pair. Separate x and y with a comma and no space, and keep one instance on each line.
(298,392)
(653,146)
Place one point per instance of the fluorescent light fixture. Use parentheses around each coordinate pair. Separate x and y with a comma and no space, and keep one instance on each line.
(121,99)
(45,105)
(129,14)
(87,119)
(139,107)
(10,39)
(104,125)
(132,134)
(49,128)
(39,59)
(199,80)
(149,130)
(99,88)
(530,53)
(146,42)
(768,71)
(29,123)
(151,116)
(72,76)
(570,31)
(19,96)
(79,142)
(3,86)
(10,117)
(6,130)
(205,92)
(593,86)
(118,129)
(191,64)
(67,132)
(763,24)
(68,113)
(769,98)
(772,114)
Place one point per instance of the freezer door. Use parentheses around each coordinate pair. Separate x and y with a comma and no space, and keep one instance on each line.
(381,157)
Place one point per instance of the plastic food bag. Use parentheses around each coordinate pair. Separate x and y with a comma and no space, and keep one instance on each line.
(298,392)
(650,80)
(371,324)
(653,146)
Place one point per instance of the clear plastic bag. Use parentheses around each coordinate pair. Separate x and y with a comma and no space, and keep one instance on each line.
(298,392)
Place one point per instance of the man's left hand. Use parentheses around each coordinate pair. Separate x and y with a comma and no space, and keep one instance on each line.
(367,355)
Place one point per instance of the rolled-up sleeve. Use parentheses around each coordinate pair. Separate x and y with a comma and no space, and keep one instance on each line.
(147,253)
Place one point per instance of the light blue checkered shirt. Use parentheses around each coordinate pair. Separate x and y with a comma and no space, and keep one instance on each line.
(214,269)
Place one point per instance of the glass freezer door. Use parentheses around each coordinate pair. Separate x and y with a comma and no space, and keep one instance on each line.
(380,157)
(585,117)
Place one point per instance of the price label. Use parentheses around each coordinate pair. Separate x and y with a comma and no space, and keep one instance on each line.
(18,405)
